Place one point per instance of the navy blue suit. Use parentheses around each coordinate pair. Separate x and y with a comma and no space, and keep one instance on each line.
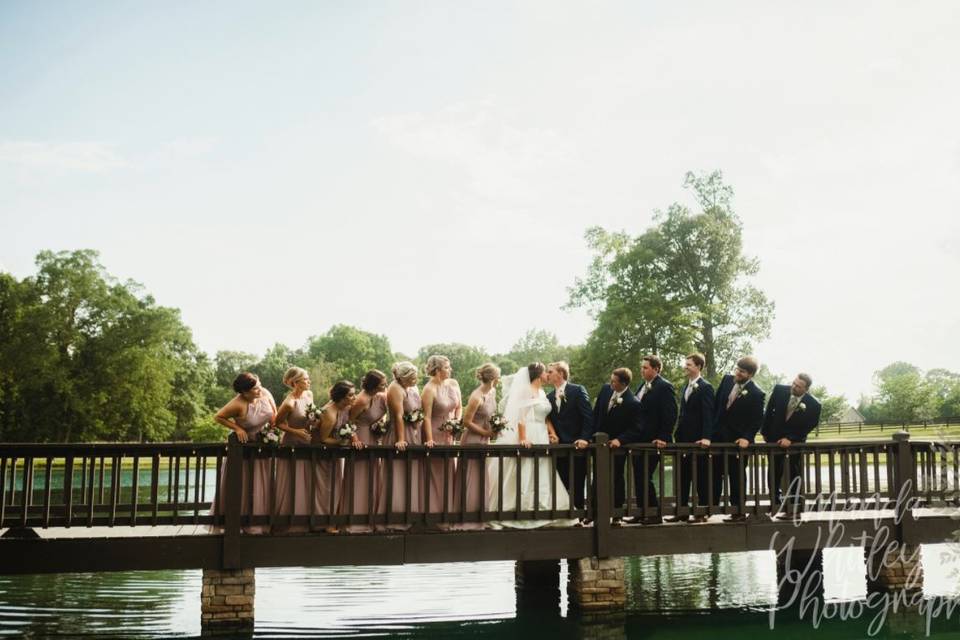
(695,423)
(803,420)
(572,421)
(658,415)
(742,420)
(615,421)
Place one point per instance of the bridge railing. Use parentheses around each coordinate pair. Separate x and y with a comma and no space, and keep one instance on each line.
(255,488)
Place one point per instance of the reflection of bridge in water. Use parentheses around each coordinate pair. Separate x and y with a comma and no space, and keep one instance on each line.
(116,507)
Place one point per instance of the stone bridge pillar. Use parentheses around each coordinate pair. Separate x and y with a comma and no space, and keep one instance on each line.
(596,584)
(226,602)
(896,568)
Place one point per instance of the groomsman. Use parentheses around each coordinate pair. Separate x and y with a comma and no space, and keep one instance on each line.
(572,419)
(696,426)
(739,415)
(617,411)
(792,413)
(658,415)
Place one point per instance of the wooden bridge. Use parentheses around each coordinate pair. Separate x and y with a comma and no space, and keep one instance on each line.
(111,507)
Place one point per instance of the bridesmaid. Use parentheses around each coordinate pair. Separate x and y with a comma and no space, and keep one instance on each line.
(327,474)
(481,405)
(292,420)
(370,406)
(403,398)
(245,415)
(441,402)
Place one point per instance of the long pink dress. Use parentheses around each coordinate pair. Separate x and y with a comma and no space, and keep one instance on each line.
(259,412)
(396,501)
(302,475)
(328,475)
(445,402)
(475,477)
(357,485)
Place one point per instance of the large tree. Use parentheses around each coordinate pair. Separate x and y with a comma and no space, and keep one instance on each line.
(351,351)
(89,358)
(679,286)
(464,360)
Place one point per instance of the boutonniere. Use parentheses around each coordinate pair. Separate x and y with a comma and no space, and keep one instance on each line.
(801,407)
(743,393)
(618,401)
(648,386)
(694,387)
(561,395)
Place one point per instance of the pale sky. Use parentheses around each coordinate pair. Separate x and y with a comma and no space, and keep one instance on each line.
(275,168)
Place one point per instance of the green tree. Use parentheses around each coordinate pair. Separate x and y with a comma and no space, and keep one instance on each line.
(903,394)
(679,286)
(351,351)
(89,358)
(831,406)
(464,360)
(946,389)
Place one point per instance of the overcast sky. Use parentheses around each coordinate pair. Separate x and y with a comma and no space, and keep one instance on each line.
(275,168)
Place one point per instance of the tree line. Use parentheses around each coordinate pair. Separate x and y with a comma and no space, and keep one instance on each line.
(85,357)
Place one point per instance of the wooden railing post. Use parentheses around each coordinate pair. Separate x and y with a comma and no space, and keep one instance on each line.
(904,482)
(602,495)
(232,503)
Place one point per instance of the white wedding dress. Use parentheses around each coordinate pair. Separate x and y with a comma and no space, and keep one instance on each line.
(532,411)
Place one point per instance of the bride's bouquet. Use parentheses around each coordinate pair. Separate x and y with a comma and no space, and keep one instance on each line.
(345,431)
(269,434)
(453,427)
(414,416)
(381,427)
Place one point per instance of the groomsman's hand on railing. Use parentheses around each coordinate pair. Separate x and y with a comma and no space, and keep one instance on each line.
(743,443)
(703,442)
(660,444)
(580,444)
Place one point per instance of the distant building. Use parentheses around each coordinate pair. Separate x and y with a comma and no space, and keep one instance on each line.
(850,414)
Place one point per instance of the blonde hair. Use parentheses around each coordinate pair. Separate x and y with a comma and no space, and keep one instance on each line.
(404,371)
(435,363)
(488,372)
(293,376)
(562,367)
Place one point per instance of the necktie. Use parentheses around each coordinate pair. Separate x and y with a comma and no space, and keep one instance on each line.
(559,399)
(686,394)
(613,399)
(733,394)
(792,405)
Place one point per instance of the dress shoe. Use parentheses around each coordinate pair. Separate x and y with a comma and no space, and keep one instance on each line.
(616,522)
(586,521)
(652,520)
(790,516)
(673,519)
(631,520)
(699,519)
(737,517)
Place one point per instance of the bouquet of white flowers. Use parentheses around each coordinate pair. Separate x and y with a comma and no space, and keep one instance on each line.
(381,427)
(453,427)
(346,431)
(269,434)
(497,423)
(414,416)
(313,414)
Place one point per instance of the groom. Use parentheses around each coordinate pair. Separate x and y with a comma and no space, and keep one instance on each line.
(572,419)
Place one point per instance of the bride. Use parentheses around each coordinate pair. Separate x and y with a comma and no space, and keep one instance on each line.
(525,408)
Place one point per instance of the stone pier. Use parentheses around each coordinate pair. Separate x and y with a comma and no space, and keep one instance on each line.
(226,602)
(894,568)
(596,584)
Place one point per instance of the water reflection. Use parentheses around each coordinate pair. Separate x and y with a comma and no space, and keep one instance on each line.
(668,597)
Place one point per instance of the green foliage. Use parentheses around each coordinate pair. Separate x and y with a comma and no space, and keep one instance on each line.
(678,287)
(351,351)
(464,361)
(903,395)
(88,358)
(832,407)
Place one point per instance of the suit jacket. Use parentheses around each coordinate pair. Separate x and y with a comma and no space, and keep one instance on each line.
(744,417)
(801,422)
(658,413)
(619,419)
(697,413)
(574,419)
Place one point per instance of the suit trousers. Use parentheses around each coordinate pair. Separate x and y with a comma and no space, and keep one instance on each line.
(685,479)
(579,478)
(794,494)
(644,482)
(738,465)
